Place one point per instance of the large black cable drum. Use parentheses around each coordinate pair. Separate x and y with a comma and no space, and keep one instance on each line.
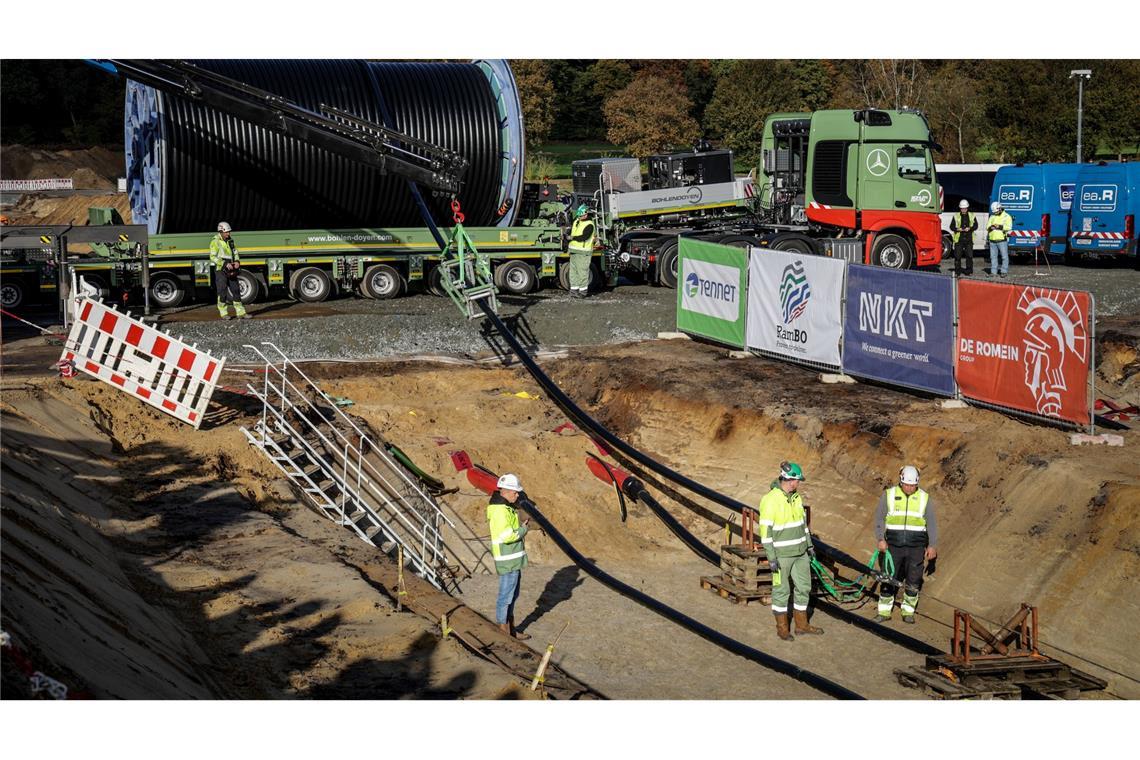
(190,166)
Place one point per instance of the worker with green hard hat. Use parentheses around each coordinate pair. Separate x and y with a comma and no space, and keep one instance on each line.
(787,542)
(581,250)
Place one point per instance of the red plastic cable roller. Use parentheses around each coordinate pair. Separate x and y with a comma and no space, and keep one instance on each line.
(600,468)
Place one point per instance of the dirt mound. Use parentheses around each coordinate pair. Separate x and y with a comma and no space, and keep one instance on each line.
(1118,349)
(40,209)
(91,168)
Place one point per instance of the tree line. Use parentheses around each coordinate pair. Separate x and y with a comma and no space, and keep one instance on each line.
(997,111)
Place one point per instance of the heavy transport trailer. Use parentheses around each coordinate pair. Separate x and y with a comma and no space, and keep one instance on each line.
(859,185)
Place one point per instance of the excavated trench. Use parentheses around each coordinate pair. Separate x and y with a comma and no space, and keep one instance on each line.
(192,571)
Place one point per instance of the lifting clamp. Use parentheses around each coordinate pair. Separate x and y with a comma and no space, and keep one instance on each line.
(465,273)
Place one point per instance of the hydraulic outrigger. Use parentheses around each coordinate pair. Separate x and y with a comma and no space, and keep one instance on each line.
(466,274)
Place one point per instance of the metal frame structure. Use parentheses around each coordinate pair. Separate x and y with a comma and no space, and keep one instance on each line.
(348,476)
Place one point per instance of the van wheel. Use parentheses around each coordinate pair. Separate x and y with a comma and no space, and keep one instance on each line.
(11,293)
(166,291)
(310,285)
(381,282)
(892,252)
(515,277)
(667,265)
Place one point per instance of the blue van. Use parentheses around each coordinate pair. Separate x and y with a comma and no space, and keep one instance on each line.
(1103,221)
(1038,197)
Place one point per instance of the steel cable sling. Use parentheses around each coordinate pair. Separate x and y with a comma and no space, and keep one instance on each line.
(587,422)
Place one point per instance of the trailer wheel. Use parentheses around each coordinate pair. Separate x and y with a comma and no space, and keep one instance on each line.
(892,252)
(738,241)
(11,293)
(947,246)
(794,245)
(564,276)
(248,287)
(381,282)
(667,265)
(516,277)
(310,285)
(434,282)
(166,290)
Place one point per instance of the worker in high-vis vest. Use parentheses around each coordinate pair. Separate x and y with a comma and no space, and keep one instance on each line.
(787,542)
(962,228)
(508,548)
(224,257)
(998,233)
(905,526)
(581,250)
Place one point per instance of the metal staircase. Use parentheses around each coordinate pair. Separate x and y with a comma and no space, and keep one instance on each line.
(347,476)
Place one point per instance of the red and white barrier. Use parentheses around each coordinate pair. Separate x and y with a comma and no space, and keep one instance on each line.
(142,360)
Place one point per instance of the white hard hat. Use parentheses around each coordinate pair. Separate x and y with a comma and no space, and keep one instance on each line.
(909,475)
(224,227)
(963,203)
(509,482)
(995,206)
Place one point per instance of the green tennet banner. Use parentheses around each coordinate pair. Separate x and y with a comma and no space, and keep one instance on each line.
(711,284)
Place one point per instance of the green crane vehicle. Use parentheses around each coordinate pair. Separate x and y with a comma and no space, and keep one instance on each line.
(858,185)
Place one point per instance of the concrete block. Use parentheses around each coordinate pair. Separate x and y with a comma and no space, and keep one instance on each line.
(740,354)
(833,379)
(1084,439)
(953,403)
(672,336)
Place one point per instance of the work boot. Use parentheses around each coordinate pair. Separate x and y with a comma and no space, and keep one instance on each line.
(245,316)
(802,624)
(782,627)
(513,632)
(506,629)
(882,618)
(226,317)
(908,619)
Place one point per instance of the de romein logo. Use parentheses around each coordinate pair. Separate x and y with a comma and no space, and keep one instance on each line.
(795,291)
(1054,334)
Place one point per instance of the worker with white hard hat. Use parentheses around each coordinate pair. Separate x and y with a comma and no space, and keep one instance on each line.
(962,228)
(906,527)
(508,548)
(998,232)
(224,257)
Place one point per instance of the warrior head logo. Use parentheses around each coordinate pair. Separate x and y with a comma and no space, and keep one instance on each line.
(1055,333)
(795,291)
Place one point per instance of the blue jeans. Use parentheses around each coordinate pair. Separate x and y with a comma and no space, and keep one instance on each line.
(996,247)
(508,593)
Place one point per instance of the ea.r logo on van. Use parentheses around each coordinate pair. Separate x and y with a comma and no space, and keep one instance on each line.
(1098,197)
(878,162)
(1016,197)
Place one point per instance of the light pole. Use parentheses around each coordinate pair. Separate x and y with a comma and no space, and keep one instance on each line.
(1082,76)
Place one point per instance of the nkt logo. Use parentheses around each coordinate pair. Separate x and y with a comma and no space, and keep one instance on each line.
(795,291)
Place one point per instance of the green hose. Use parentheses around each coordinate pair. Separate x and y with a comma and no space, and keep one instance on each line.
(851,591)
(423,477)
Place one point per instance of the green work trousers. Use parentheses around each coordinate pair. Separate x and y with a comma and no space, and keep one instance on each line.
(580,270)
(795,576)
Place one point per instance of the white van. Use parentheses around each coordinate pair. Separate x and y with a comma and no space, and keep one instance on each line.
(974,182)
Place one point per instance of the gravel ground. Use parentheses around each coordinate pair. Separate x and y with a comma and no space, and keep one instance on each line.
(358,329)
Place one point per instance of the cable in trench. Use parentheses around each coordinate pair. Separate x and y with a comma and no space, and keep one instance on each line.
(579,416)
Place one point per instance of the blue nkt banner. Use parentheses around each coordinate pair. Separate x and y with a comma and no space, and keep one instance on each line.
(899,328)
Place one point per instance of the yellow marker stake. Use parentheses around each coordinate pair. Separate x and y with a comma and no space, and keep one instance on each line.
(540,674)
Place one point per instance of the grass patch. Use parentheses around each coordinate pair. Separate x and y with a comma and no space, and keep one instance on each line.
(556,157)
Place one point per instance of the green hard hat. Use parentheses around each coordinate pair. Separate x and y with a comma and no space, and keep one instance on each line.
(791,471)
(581,210)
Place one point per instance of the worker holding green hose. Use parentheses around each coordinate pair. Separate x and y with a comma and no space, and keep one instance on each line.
(508,548)
(905,525)
(787,542)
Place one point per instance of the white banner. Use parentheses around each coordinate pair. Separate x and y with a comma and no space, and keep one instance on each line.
(32,185)
(710,289)
(795,305)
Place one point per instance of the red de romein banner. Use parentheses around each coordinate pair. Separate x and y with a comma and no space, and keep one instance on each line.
(1024,347)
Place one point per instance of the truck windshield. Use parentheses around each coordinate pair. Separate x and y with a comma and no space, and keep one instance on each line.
(912,162)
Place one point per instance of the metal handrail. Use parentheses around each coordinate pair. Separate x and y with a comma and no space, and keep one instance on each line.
(356,497)
(376,474)
(287,362)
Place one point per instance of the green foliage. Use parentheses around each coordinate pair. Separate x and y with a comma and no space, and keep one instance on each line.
(536,96)
(44,102)
(650,115)
(746,94)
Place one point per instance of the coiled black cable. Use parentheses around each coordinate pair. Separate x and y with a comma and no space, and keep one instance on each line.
(216,166)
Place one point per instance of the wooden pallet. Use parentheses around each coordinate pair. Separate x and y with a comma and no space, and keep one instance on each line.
(937,686)
(734,593)
(747,569)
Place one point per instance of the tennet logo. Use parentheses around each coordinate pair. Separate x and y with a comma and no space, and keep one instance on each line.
(1016,197)
(1099,197)
(718,291)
